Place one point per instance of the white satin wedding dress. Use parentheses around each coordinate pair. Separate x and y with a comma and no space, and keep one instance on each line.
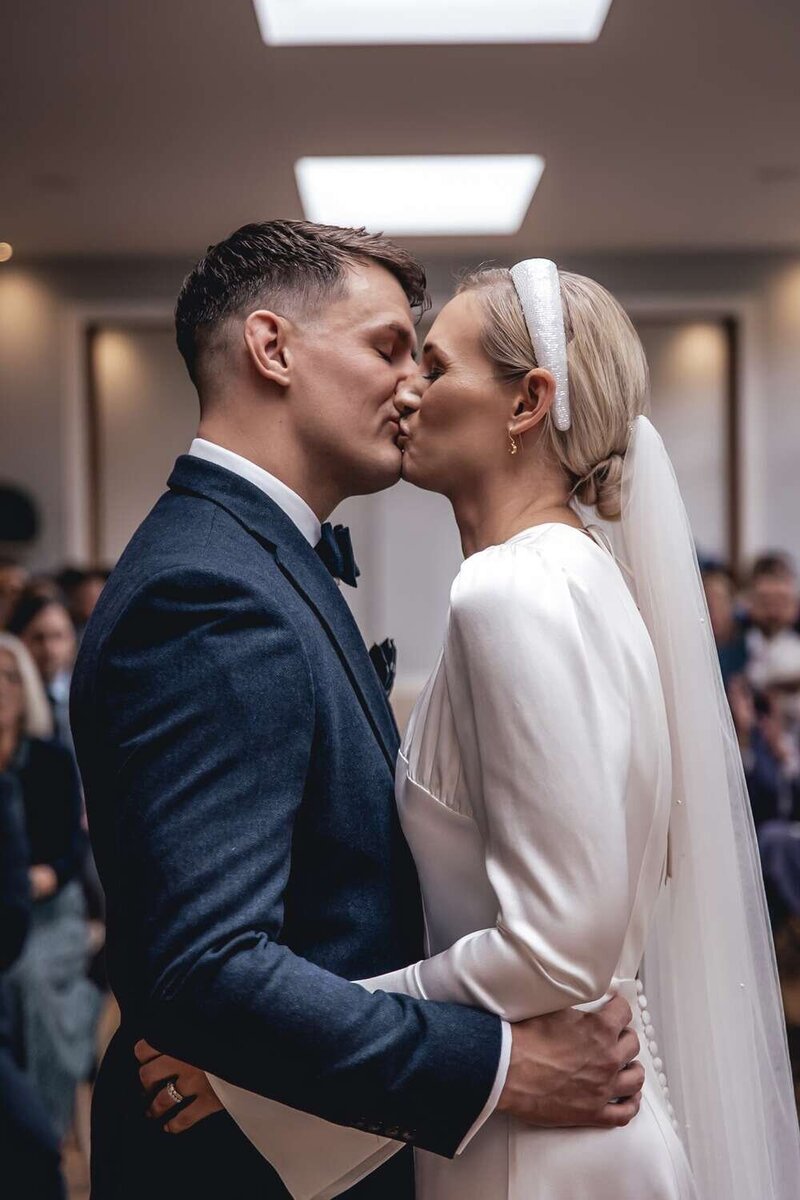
(534,788)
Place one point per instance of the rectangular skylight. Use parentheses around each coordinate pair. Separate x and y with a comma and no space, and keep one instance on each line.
(415,22)
(435,195)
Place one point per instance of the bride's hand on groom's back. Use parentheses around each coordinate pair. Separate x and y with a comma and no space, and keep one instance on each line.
(163,1079)
(575,1068)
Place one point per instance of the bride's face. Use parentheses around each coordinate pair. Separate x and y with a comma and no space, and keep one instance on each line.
(454,427)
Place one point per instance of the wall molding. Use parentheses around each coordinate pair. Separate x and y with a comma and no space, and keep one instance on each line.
(79,458)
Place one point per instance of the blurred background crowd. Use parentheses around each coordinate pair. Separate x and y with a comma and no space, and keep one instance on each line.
(655,149)
(55,1011)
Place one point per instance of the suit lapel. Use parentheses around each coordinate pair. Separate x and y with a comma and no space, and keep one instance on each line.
(312,580)
(304,570)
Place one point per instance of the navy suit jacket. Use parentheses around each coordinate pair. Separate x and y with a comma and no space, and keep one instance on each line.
(237,753)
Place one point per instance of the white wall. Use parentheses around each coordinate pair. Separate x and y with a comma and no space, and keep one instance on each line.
(41,444)
(32,417)
(688,381)
(409,552)
(42,406)
(147,416)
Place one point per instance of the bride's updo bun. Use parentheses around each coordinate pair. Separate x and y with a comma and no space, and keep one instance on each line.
(602,487)
(608,376)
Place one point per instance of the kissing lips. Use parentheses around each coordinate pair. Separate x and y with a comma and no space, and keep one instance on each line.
(404,434)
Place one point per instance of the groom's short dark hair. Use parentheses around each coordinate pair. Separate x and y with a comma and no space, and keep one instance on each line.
(275,263)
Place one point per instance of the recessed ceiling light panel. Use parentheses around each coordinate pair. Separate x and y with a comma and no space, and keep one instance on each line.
(416,22)
(459,195)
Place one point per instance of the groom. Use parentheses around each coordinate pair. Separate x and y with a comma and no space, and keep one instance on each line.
(237,751)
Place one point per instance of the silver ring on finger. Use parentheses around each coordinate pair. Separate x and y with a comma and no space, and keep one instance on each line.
(173,1093)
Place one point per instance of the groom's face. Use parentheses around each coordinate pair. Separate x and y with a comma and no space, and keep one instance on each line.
(350,359)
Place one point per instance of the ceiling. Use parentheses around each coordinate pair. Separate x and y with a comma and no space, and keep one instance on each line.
(157,126)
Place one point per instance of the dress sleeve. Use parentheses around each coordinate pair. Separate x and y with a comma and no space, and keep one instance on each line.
(541,706)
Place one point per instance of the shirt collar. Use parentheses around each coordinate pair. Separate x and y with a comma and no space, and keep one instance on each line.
(293,505)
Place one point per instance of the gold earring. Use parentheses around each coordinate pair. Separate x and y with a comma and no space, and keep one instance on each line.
(513,448)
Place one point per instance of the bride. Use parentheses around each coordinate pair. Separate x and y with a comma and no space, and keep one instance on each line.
(569,782)
(534,780)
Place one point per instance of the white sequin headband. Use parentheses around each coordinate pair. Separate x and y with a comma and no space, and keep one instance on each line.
(536,281)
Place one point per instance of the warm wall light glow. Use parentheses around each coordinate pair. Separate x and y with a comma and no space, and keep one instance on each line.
(6,250)
(27,314)
(116,362)
(447,194)
(699,353)
(784,300)
(414,22)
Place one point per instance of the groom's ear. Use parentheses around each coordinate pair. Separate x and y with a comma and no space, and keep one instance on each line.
(532,401)
(265,338)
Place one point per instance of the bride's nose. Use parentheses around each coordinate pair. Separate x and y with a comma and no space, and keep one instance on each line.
(408,396)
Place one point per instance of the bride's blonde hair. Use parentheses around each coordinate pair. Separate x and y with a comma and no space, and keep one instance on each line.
(608,376)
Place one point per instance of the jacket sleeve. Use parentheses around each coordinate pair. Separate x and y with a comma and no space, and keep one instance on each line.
(211,709)
(541,708)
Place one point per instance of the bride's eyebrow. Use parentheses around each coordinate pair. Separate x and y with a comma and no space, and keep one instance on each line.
(432,348)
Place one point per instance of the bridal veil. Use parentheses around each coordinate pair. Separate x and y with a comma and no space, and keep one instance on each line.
(709,968)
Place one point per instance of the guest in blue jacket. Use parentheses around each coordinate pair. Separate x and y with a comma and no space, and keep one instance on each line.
(727,627)
(771,759)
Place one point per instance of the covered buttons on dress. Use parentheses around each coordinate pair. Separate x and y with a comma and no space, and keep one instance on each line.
(652,1046)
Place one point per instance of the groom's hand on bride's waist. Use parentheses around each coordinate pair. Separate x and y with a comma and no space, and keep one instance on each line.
(567,1068)
(575,1068)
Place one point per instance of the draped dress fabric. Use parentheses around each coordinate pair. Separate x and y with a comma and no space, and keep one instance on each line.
(534,788)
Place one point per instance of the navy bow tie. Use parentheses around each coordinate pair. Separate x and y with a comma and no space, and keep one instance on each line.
(336,551)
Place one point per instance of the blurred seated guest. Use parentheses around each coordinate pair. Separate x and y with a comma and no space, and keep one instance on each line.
(30,1154)
(770,754)
(81,588)
(773,613)
(771,758)
(776,671)
(43,586)
(779,844)
(55,1004)
(720,589)
(66,579)
(46,628)
(13,578)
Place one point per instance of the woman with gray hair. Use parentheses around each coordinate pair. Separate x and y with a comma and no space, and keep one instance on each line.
(56,1006)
